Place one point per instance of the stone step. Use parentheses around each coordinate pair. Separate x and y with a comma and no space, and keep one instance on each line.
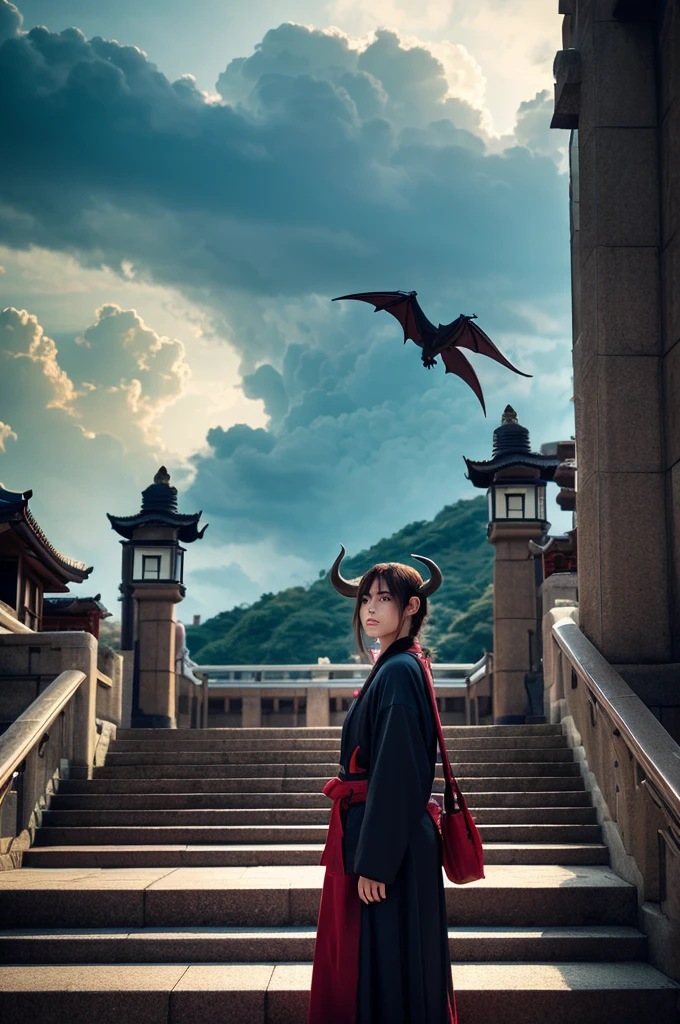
(192,834)
(135,785)
(328,732)
(245,855)
(316,771)
(292,944)
(309,757)
(303,743)
(517,896)
(195,800)
(294,816)
(268,993)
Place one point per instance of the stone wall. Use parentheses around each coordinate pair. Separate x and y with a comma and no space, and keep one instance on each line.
(625,217)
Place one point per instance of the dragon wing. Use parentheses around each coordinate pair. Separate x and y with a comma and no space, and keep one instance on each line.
(464,333)
(455,362)
(404,307)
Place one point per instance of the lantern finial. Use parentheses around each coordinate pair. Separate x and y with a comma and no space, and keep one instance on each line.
(509,415)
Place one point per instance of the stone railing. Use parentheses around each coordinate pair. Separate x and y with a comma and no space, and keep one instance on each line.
(30,666)
(317,684)
(479,691)
(631,766)
(189,702)
(35,752)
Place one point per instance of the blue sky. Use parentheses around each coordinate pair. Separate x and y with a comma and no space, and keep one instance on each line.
(181,195)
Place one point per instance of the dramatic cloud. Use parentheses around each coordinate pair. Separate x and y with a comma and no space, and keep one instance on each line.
(6,434)
(533,126)
(10,22)
(325,164)
(47,444)
(128,374)
(321,166)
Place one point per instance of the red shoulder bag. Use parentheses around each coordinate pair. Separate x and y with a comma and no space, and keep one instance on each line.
(463,856)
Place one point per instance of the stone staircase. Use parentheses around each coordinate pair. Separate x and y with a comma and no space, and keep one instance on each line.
(182,885)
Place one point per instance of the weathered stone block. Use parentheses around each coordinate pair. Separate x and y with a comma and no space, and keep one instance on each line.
(509,696)
(587,191)
(586,119)
(629,414)
(634,580)
(669,47)
(623,66)
(514,588)
(670,286)
(603,10)
(562,586)
(585,409)
(627,305)
(589,299)
(619,188)
(671,382)
(670,166)
(511,643)
(588,507)
(673,492)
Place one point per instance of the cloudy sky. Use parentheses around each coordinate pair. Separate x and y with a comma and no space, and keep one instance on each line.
(183,189)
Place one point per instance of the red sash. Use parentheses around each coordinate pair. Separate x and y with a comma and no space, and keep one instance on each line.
(335,975)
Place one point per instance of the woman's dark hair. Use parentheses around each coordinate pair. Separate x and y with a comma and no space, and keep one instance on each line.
(403,583)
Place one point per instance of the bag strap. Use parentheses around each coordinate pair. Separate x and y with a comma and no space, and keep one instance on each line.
(450,782)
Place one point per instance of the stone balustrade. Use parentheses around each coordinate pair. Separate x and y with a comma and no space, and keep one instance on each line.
(34,753)
(631,765)
(32,664)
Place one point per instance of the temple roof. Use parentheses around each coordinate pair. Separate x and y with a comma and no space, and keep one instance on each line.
(511,447)
(159,508)
(14,510)
(75,606)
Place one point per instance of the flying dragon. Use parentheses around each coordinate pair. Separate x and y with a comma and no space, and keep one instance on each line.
(445,340)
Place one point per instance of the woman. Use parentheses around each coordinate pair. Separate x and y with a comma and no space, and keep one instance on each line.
(382,954)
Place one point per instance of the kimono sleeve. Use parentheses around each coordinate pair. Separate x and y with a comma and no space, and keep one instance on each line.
(398,791)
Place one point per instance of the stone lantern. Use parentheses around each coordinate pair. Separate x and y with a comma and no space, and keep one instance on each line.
(515,478)
(152,584)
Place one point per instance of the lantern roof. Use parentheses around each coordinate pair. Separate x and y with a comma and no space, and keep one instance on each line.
(511,447)
(159,508)
(58,569)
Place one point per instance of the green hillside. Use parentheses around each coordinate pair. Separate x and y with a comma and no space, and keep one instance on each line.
(301,624)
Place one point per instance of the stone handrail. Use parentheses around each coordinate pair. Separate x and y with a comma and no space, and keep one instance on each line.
(631,765)
(650,744)
(30,727)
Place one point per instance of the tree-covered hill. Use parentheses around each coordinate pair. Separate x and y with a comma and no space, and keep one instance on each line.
(301,624)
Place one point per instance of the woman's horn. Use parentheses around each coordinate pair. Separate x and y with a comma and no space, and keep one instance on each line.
(435,581)
(342,585)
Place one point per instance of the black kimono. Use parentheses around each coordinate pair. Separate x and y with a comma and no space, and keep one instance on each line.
(389,739)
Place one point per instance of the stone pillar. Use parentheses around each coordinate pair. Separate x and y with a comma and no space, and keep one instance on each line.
(514,614)
(318,713)
(251,710)
(619,362)
(155,683)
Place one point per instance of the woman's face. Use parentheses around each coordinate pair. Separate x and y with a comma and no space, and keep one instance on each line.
(379,611)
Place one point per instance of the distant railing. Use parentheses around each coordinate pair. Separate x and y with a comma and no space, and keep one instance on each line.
(315,683)
(633,771)
(448,674)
